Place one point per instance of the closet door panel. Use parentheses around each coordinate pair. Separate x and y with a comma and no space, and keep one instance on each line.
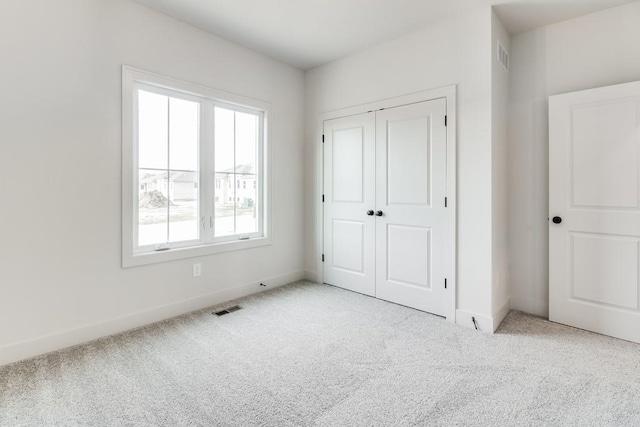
(349,193)
(410,192)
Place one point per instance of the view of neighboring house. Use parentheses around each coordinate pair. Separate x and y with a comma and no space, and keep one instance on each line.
(184,185)
(245,186)
(172,185)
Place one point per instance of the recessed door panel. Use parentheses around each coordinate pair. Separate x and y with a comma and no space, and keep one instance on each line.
(408,158)
(348,245)
(348,158)
(612,260)
(604,159)
(409,255)
(594,149)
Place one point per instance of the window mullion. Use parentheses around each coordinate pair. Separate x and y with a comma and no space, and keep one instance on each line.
(235,176)
(207,172)
(168,169)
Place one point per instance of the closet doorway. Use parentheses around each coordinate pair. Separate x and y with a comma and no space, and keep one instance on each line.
(388,212)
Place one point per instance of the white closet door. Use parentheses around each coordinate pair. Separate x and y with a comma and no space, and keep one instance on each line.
(594,210)
(349,193)
(410,194)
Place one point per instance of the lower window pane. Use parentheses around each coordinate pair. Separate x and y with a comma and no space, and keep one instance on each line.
(152,207)
(183,206)
(225,205)
(246,205)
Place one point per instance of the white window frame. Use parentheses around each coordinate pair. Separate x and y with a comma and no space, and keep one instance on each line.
(209,98)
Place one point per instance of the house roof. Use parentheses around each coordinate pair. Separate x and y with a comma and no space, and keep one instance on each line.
(174,176)
(245,169)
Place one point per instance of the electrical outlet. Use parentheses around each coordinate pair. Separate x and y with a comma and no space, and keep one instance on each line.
(197,270)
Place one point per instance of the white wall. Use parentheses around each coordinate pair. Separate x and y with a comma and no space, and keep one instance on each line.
(499,193)
(60,148)
(591,51)
(453,52)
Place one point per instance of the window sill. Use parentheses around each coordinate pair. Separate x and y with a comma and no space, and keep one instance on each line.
(130,259)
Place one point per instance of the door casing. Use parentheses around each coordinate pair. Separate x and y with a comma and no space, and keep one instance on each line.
(448,93)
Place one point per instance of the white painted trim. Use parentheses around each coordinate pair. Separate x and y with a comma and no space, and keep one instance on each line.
(485,323)
(194,251)
(319,153)
(450,94)
(59,340)
(502,312)
(452,195)
(193,88)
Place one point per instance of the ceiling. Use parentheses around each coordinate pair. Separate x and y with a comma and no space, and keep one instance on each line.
(308,33)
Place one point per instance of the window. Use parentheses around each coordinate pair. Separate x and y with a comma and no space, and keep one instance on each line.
(180,143)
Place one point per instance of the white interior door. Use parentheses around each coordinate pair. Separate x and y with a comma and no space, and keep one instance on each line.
(349,194)
(594,211)
(411,146)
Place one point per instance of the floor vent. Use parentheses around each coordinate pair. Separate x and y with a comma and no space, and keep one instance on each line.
(227,310)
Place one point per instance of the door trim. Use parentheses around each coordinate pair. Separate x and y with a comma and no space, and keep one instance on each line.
(448,93)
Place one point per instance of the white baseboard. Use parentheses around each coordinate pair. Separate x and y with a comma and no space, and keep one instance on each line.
(531,306)
(502,312)
(484,323)
(45,344)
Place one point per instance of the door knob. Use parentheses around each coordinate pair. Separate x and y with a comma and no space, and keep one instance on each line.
(370,212)
(379,213)
(556,220)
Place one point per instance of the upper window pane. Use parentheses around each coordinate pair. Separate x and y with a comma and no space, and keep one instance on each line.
(224,139)
(183,134)
(246,126)
(153,126)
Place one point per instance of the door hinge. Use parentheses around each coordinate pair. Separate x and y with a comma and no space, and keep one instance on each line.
(323,139)
(322,257)
(445,120)
(445,202)
(323,198)
(445,283)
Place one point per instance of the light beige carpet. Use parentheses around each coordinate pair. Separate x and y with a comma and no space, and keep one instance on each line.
(309,354)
